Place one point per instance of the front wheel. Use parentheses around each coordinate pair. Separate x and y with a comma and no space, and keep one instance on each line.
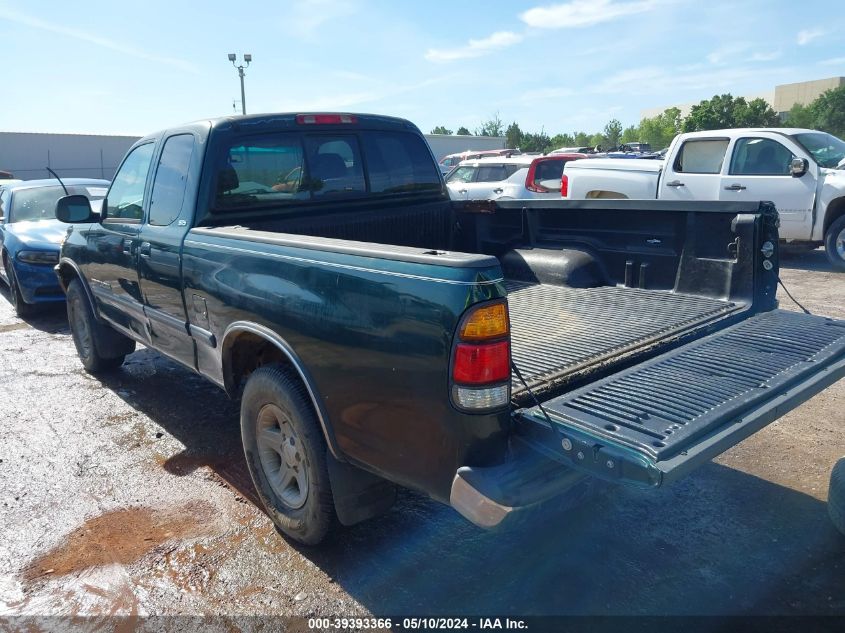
(834,244)
(22,308)
(286,455)
(99,347)
(836,496)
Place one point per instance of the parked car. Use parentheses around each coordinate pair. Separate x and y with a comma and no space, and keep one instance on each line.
(801,171)
(447,163)
(503,178)
(30,237)
(574,150)
(492,355)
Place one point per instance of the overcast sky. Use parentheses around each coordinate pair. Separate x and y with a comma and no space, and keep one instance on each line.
(134,67)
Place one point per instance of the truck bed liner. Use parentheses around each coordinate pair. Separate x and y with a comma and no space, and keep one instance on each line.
(559,332)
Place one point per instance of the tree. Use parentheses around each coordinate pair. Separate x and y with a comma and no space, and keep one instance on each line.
(581,139)
(612,133)
(462,131)
(493,127)
(631,134)
(598,139)
(725,111)
(659,131)
(535,142)
(562,140)
(513,136)
(801,116)
(829,112)
(441,130)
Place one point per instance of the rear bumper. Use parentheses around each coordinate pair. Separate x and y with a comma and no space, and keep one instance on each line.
(494,496)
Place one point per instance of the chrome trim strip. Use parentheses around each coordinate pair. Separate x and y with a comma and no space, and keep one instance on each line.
(287,350)
(344,266)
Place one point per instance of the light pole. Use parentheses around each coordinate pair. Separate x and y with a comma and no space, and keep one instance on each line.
(247,60)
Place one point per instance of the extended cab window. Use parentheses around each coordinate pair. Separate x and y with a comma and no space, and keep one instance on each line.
(398,162)
(126,196)
(703,156)
(170,179)
(760,157)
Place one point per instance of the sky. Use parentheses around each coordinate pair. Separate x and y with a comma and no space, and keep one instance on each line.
(105,68)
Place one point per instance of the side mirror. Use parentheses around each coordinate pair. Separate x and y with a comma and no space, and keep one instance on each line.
(75,210)
(798,167)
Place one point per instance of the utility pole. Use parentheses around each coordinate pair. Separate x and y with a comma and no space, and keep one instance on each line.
(247,60)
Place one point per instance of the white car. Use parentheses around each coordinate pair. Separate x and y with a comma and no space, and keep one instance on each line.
(801,171)
(502,178)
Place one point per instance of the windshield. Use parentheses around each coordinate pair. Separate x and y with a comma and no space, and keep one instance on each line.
(39,203)
(827,150)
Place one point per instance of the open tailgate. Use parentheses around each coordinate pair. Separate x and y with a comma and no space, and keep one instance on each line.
(654,422)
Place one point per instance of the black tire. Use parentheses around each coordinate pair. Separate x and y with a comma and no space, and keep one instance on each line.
(836,496)
(272,400)
(834,244)
(22,308)
(100,348)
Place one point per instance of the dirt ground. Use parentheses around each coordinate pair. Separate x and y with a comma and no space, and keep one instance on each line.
(128,495)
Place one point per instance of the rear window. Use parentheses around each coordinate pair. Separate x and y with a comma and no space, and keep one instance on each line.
(399,162)
(289,168)
(549,170)
(703,156)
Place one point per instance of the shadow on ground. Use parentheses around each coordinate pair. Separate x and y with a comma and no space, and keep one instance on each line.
(720,542)
(802,259)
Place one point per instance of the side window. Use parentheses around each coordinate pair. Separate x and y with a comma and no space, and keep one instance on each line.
(334,165)
(126,196)
(703,156)
(760,157)
(462,174)
(4,203)
(495,173)
(171,177)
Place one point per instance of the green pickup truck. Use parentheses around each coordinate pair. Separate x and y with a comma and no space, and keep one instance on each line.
(490,355)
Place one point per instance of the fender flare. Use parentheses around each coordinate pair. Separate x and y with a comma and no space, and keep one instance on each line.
(271,337)
(65,261)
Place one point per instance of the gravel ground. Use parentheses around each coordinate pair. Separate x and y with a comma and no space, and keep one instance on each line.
(128,495)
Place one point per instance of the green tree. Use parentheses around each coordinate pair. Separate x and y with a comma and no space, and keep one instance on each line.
(801,116)
(631,134)
(612,133)
(441,130)
(598,139)
(535,142)
(582,139)
(513,136)
(562,140)
(659,131)
(725,111)
(462,131)
(493,127)
(829,112)
(755,113)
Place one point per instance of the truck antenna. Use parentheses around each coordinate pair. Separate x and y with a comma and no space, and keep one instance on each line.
(67,193)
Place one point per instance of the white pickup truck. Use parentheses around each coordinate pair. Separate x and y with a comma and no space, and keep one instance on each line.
(801,171)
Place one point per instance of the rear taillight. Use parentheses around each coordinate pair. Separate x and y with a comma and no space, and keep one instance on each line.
(482,358)
(564,186)
(325,119)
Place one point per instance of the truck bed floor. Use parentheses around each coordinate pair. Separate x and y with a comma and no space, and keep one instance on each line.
(559,333)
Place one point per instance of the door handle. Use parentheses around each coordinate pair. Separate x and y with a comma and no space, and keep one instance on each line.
(735,187)
(462,190)
(145,249)
(675,183)
(498,190)
(127,247)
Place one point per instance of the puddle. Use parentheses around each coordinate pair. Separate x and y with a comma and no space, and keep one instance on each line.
(120,536)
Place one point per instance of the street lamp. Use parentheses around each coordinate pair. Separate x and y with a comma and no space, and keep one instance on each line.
(247,60)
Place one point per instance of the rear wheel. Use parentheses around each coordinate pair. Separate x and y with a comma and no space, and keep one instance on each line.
(834,244)
(99,347)
(836,496)
(22,308)
(286,455)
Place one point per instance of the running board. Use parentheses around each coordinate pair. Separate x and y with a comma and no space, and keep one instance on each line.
(654,422)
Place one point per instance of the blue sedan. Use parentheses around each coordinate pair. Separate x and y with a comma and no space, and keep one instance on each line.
(31,237)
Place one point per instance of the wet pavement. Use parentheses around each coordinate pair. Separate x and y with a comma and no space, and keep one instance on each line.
(128,495)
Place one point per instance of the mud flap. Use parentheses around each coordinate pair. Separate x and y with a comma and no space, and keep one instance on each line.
(654,422)
(358,494)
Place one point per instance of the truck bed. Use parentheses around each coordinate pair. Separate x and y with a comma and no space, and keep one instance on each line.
(561,333)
